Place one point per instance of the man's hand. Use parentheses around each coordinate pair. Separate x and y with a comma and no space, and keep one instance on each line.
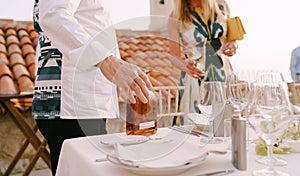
(127,76)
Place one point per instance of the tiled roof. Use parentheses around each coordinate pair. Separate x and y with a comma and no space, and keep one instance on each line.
(17,48)
(17,60)
(149,50)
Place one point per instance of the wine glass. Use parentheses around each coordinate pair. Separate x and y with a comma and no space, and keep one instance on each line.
(269,116)
(211,103)
(271,76)
(239,92)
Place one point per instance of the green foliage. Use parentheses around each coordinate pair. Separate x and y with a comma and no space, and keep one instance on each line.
(261,148)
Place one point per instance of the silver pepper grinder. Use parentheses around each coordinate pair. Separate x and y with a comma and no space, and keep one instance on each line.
(238,139)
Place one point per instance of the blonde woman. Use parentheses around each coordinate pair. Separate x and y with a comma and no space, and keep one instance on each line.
(197,29)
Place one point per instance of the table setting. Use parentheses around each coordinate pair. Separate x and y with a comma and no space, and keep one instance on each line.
(263,113)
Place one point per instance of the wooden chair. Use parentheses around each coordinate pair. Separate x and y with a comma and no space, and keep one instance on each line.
(31,136)
(294,92)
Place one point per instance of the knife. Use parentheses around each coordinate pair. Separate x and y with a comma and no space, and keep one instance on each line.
(186,131)
(223,172)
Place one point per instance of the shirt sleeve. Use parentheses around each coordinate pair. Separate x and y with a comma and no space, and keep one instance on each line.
(58,22)
(293,66)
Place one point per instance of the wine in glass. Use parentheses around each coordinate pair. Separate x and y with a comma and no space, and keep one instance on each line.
(211,103)
(269,116)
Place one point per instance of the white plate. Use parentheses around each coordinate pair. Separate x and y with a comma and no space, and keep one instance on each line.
(124,140)
(172,170)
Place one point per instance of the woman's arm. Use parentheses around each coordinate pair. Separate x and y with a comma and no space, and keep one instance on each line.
(175,50)
(228,48)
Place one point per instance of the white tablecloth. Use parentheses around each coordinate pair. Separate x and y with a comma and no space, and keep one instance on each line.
(78,159)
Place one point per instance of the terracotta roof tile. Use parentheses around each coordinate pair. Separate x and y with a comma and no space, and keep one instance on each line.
(25,40)
(142,47)
(16,58)
(16,77)
(9,32)
(27,49)
(2,39)
(155,82)
(22,33)
(4,70)
(35,42)
(141,54)
(7,86)
(149,50)
(3,59)
(3,49)
(30,28)
(20,70)
(32,71)
(153,73)
(124,54)
(130,52)
(33,35)
(30,59)
(151,62)
(2,33)
(21,26)
(123,46)
(133,46)
(130,60)
(12,39)
(25,84)
(161,62)
(161,70)
(14,48)
(141,62)
(8,25)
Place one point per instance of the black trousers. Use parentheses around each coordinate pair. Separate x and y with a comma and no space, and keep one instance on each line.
(56,131)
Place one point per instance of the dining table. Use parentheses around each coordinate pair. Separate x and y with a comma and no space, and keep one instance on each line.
(89,156)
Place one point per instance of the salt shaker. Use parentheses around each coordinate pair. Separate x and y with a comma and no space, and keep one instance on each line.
(238,139)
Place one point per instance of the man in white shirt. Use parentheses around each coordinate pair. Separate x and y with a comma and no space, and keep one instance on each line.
(79,68)
(295,65)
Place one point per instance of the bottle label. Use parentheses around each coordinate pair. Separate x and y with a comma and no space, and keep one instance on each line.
(146,125)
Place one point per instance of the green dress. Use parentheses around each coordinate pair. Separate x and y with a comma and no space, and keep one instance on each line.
(198,41)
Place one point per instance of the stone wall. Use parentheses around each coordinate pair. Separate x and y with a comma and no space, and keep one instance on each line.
(11,139)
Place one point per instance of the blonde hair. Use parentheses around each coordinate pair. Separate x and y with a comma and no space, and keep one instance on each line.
(183,10)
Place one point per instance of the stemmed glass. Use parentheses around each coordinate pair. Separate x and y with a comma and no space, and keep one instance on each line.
(211,103)
(271,76)
(269,115)
(239,92)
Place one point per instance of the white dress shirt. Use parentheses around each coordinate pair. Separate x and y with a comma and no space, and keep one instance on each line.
(82,31)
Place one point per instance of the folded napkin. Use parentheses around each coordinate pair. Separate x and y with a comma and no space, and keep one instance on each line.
(198,119)
(171,151)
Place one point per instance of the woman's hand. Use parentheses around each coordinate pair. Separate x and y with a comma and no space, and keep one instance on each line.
(192,70)
(189,66)
(229,48)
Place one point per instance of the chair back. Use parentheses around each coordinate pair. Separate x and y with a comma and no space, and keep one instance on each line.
(294,92)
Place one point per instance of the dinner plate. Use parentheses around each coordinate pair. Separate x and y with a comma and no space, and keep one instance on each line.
(153,171)
(124,140)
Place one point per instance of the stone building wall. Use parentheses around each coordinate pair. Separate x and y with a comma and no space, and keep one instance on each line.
(11,139)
